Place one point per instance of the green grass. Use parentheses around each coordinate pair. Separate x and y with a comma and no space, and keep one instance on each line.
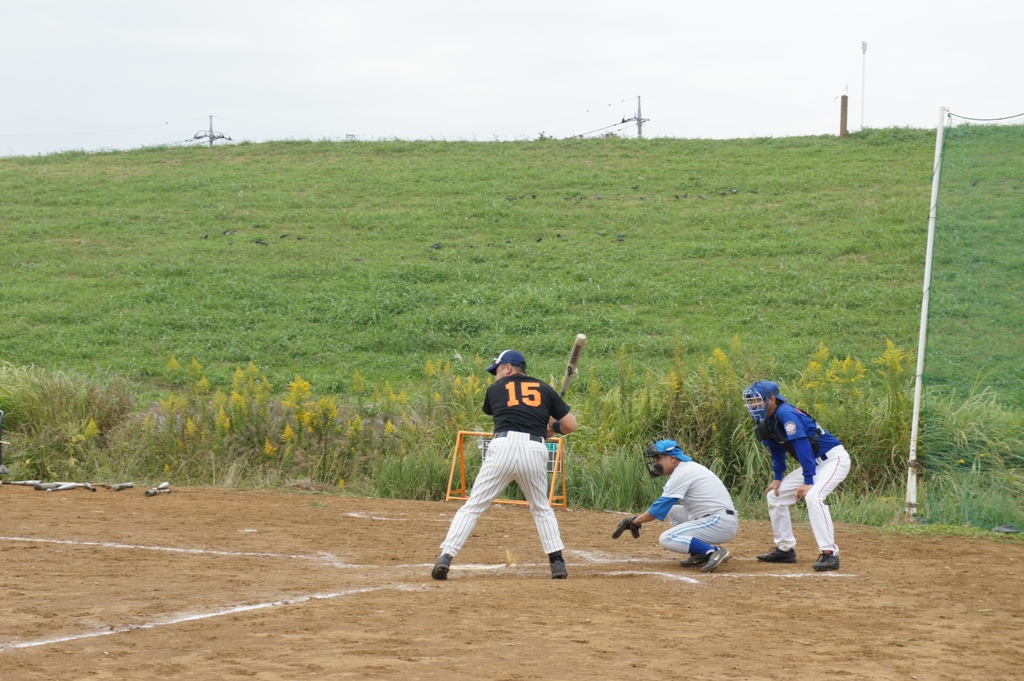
(386,274)
(978,271)
(795,241)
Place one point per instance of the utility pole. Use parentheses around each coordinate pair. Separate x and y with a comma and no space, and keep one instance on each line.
(863,69)
(640,120)
(210,134)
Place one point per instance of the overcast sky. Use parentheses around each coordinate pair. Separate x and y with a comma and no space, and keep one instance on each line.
(109,74)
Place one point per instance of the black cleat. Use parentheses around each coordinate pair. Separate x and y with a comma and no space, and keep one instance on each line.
(716,558)
(826,561)
(441,566)
(558,570)
(777,555)
(695,559)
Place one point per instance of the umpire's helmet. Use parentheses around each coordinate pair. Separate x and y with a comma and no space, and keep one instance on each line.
(755,398)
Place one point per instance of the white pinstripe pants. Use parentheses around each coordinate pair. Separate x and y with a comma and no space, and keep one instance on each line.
(513,457)
(827,477)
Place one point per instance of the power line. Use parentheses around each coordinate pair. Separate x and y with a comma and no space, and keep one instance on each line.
(97,132)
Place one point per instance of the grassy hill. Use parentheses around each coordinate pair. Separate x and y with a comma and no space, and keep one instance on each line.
(340,300)
(319,258)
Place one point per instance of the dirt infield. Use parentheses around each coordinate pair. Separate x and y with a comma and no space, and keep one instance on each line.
(219,584)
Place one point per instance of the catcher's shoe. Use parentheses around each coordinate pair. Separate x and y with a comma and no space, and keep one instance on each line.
(777,555)
(695,559)
(558,570)
(716,558)
(441,566)
(826,561)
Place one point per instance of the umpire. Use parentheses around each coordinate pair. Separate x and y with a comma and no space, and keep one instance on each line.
(824,463)
(525,411)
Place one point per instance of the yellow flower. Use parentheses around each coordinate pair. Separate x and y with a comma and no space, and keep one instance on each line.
(341,483)
(223,422)
(358,383)
(288,435)
(268,448)
(262,392)
(322,413)
(190,427)
(202,386)
(237,401)
(389,428)
(173,364)
(91,430)
(195,368)
(298,393)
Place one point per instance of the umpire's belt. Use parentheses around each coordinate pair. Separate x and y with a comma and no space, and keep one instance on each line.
(727,511)
(503,433)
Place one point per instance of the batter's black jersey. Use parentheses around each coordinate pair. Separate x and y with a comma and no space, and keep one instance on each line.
(522,403)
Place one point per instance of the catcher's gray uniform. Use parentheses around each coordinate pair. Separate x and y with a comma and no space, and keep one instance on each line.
(699,507)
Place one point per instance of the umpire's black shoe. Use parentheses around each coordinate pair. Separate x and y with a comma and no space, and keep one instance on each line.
(558,570)
(777,555)
(826,561)
(441,566)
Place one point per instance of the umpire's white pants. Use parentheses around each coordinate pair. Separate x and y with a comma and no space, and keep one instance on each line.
(513,457)
(829,474)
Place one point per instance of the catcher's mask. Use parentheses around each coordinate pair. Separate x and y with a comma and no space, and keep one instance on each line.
(755,398)
(662,448)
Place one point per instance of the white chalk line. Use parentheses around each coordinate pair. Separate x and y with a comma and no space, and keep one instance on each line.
(328,559)
(669,575)
(191,617)
(791,575)
(324,558)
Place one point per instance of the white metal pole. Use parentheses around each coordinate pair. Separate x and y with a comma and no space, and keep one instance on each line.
(863,71)
(911,504)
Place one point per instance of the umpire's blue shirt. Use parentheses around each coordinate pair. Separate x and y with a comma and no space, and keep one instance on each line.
(798,427)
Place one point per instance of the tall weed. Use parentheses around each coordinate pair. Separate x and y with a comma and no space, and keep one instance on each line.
(399,442)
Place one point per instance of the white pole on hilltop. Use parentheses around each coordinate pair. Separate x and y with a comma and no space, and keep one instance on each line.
(910,511)
(863,70)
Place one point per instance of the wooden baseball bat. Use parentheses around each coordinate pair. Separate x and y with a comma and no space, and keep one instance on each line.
(119,486)
(574,361)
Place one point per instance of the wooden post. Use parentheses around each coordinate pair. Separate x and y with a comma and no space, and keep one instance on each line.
(842,115)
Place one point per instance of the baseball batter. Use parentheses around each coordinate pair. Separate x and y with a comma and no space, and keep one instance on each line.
(824,463)
(694,501)
(525,411)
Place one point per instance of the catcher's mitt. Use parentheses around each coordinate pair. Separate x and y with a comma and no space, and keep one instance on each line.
(627,524)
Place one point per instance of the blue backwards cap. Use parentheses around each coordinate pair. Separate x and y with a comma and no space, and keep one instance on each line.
(671,448)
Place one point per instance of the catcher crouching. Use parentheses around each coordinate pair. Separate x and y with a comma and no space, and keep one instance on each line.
(694,501)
